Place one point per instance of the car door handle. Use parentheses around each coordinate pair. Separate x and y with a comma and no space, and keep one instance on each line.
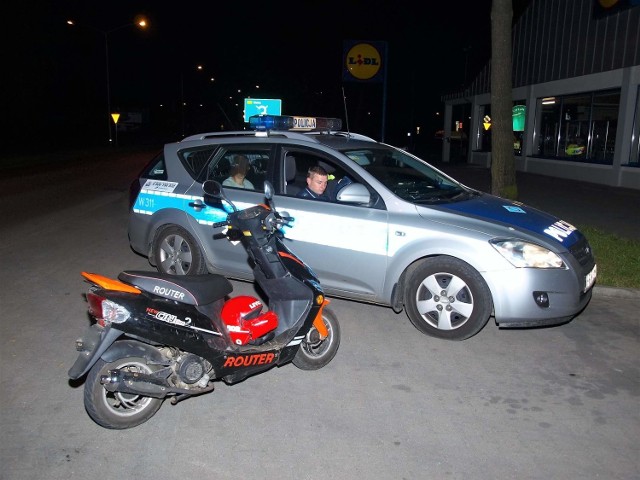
(198,205)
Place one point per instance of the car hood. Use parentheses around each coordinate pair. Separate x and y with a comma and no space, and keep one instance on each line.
(496,210)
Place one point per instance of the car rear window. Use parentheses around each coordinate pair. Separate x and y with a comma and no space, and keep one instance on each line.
(156,169)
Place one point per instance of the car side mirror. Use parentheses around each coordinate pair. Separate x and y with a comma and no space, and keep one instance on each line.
(354,193)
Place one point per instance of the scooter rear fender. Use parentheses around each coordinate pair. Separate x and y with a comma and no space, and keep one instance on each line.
(95,341)
(101,343)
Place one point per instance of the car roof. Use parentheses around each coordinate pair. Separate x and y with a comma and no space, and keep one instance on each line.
(335,140)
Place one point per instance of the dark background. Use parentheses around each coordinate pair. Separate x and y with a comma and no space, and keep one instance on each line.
(54,80)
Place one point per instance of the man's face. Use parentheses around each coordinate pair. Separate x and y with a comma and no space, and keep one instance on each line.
(317,183)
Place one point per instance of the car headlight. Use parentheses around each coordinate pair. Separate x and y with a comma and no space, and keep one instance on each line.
(525,254)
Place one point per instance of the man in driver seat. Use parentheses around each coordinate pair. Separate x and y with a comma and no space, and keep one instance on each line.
(317,179)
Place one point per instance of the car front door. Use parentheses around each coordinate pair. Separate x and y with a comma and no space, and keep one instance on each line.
(345,244)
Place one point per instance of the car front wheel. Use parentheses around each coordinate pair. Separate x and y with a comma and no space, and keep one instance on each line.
(176,252)
(447,298)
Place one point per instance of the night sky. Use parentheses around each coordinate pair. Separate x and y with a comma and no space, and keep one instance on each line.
(54,81)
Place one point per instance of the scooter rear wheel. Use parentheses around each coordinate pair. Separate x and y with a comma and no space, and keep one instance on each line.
(315,353)
(118,410)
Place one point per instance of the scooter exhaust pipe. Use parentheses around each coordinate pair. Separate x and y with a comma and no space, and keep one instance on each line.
(137,383)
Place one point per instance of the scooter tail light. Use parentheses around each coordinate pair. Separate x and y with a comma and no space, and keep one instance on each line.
(106,311)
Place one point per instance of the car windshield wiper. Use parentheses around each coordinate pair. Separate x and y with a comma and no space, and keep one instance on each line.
(462,195)
(447,196)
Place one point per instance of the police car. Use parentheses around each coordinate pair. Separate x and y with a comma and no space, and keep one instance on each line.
(397,231)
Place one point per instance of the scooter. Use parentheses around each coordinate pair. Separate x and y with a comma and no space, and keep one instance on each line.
(157,335)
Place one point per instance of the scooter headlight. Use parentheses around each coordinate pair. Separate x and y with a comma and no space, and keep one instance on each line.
(525,254)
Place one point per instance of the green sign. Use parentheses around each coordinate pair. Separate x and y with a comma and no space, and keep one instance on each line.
(261,106)
(518,114)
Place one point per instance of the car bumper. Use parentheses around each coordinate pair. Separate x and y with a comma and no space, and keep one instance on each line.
(515,294)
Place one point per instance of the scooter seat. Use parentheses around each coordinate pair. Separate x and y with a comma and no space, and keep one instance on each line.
(191,289)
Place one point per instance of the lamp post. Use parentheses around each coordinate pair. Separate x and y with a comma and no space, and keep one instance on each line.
(139,22)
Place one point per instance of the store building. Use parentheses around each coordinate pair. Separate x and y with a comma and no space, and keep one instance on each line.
(576,95)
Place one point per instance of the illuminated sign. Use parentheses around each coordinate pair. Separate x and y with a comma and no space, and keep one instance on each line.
(261,106)
(363,61)
(518,114)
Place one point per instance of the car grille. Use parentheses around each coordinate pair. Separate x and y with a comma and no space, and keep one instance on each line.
(582,252)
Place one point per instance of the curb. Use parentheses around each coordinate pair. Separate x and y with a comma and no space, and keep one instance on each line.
(616,292)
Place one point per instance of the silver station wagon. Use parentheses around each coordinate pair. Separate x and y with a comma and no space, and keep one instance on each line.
(396,231)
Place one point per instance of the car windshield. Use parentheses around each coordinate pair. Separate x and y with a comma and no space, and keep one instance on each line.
(407,176)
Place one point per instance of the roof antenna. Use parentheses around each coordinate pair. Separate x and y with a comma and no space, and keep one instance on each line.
(346,115)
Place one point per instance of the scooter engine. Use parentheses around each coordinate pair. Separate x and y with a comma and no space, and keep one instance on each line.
(191,368)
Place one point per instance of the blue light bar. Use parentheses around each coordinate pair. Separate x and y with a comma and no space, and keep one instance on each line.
(285,122)
(270,122)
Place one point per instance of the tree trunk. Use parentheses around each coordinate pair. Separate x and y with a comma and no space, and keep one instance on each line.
(503,169)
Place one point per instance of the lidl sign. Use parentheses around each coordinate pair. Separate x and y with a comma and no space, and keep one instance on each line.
(261,106)
(363,61)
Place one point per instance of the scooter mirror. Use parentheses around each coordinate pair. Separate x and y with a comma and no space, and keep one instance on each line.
(268,190)
(213,188)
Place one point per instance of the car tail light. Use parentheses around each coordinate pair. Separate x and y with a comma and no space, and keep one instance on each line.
(106,311)
(134,190)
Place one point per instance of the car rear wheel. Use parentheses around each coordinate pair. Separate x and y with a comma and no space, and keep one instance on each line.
(176,252)
(447,298)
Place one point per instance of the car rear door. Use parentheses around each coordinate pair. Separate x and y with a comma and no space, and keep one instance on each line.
(223,256)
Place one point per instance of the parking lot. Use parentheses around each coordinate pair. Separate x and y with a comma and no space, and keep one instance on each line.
(559,402)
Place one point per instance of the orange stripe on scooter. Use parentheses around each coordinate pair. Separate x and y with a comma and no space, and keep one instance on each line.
(109,283)
(319,323)
(288,255)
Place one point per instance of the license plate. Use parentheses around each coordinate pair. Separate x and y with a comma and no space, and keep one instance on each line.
(590,278)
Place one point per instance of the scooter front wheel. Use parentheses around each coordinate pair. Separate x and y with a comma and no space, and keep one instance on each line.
(118,410)
(314,352)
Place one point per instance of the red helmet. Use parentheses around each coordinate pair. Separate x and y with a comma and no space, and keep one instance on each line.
(245,321)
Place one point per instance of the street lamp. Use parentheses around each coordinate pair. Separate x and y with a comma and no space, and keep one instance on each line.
(139,22)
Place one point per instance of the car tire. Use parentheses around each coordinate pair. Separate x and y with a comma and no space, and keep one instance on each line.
(447,298)
(176,252)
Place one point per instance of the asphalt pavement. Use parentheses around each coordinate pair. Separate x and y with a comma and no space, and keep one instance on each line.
(528,404)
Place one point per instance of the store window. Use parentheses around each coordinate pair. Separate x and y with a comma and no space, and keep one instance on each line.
(483,137)
(518,116)
(578,127)
(459,138)
(634,156)
(484,121)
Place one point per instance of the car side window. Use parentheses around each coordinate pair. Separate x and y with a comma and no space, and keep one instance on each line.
(194,160)
(240,167)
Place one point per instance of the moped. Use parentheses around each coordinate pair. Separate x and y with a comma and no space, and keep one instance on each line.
(158,335)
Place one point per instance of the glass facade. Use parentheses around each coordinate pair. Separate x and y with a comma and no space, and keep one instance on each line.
(634,156)
(579,127)
(483,138)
